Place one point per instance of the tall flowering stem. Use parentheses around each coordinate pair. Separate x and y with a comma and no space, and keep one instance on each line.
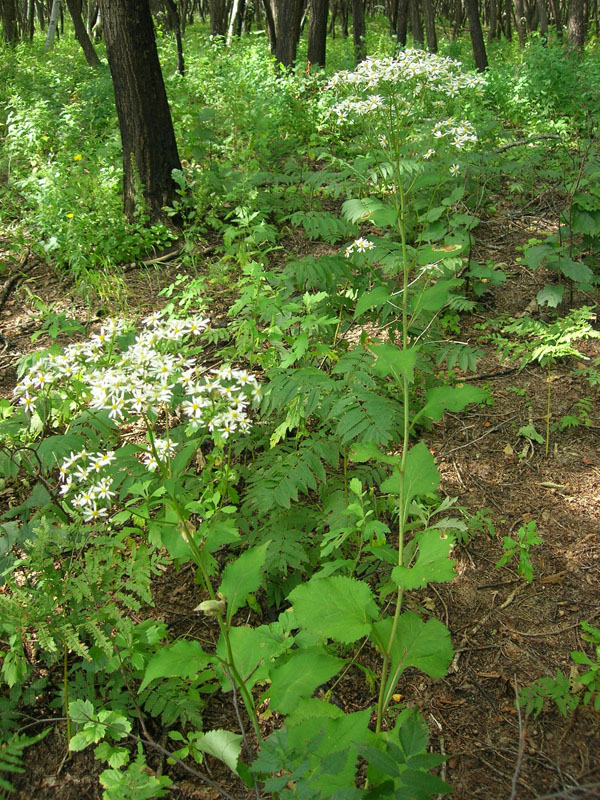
(402,107)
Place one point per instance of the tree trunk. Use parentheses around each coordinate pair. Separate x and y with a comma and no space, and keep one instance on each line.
(520,21)
(286,15)
(235,10)
(317,32)
(429,15)
(477,42)
(52,23)
(359,30)
(81,33)
(402,23)
(218,17)
(8,11)
(543,15)
(175,23)
(416,24)
(575,25)
(149,148)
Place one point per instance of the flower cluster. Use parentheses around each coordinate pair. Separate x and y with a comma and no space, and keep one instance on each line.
(138,379)
(358,245)
(438,74)
(460,135)
(83,475)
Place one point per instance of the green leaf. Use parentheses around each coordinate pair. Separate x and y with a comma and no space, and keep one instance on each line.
(362,452)
(529,432)
(184,659)
(253,651)
(370,208)
(421,475)
(299,676)
(423,645)
(394,361)
(224,745)
(451,398)
(550,295)
(338,608)
(242,577)
(376,298)
(575,270)
(534,256)
(432,564)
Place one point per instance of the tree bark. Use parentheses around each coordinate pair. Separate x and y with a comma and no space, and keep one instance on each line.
(477,42)
(81,33)
(52,23)
(416,25)
(8,11)
(429,16)
(286,15)
(149,147)
(175,22)
(218,17)
(402,23)
(575,25)
(359,30)
(317,32)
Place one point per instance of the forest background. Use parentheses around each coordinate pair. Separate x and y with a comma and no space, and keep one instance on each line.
(298,443)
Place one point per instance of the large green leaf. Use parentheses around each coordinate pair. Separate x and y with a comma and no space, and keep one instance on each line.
(338,608)
(575,270)
(242,577)
(395,361)
(299,676)
(224,745)
(423,645)
(184,659)
(432,564)
(550,295)
(421,475)
(451,398)
(376,298)
(380,213)
(253,650)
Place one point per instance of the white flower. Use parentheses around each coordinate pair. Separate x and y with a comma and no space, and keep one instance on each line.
(454,169)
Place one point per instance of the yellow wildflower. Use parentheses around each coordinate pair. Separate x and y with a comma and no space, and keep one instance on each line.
(70,215)
(77,157)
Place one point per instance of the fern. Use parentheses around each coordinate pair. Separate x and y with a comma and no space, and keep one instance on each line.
(324,225)
(318,272)
(280,475)
(11,756)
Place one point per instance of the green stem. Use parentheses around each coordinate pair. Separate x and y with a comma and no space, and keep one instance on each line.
(548,398)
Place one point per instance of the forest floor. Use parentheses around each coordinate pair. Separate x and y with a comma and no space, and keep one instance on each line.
(506,632)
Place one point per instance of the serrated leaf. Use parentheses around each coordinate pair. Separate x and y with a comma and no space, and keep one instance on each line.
(550,295)
(362,452)
(299,676)
(338,608)
(432,564)
(253,650)
(242,577)
(224,745)
(534,256)
(421,475)
(451,398)
(184,659)
(394,361)
(423,645)
(373,299)
(575,270)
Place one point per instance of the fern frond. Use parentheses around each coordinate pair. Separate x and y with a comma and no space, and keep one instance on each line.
(11,756)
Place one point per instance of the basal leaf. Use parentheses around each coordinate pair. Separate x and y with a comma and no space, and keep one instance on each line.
(338,608)
(299,676)
(550,295)
(242,577)
(365,208)
(575,270)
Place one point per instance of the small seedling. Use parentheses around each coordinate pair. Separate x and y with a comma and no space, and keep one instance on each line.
(527,537)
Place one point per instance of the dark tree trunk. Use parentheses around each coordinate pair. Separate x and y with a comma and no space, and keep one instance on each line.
(519,17)
(543,15)
(175,23)
(287,15)
(392,13)
(8,11)
(429,15)
(416,24)
(149,147)
(402,23)
(218,17)
(477,42)
(317,32)
(359,30)
(81,33)
(575,25)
